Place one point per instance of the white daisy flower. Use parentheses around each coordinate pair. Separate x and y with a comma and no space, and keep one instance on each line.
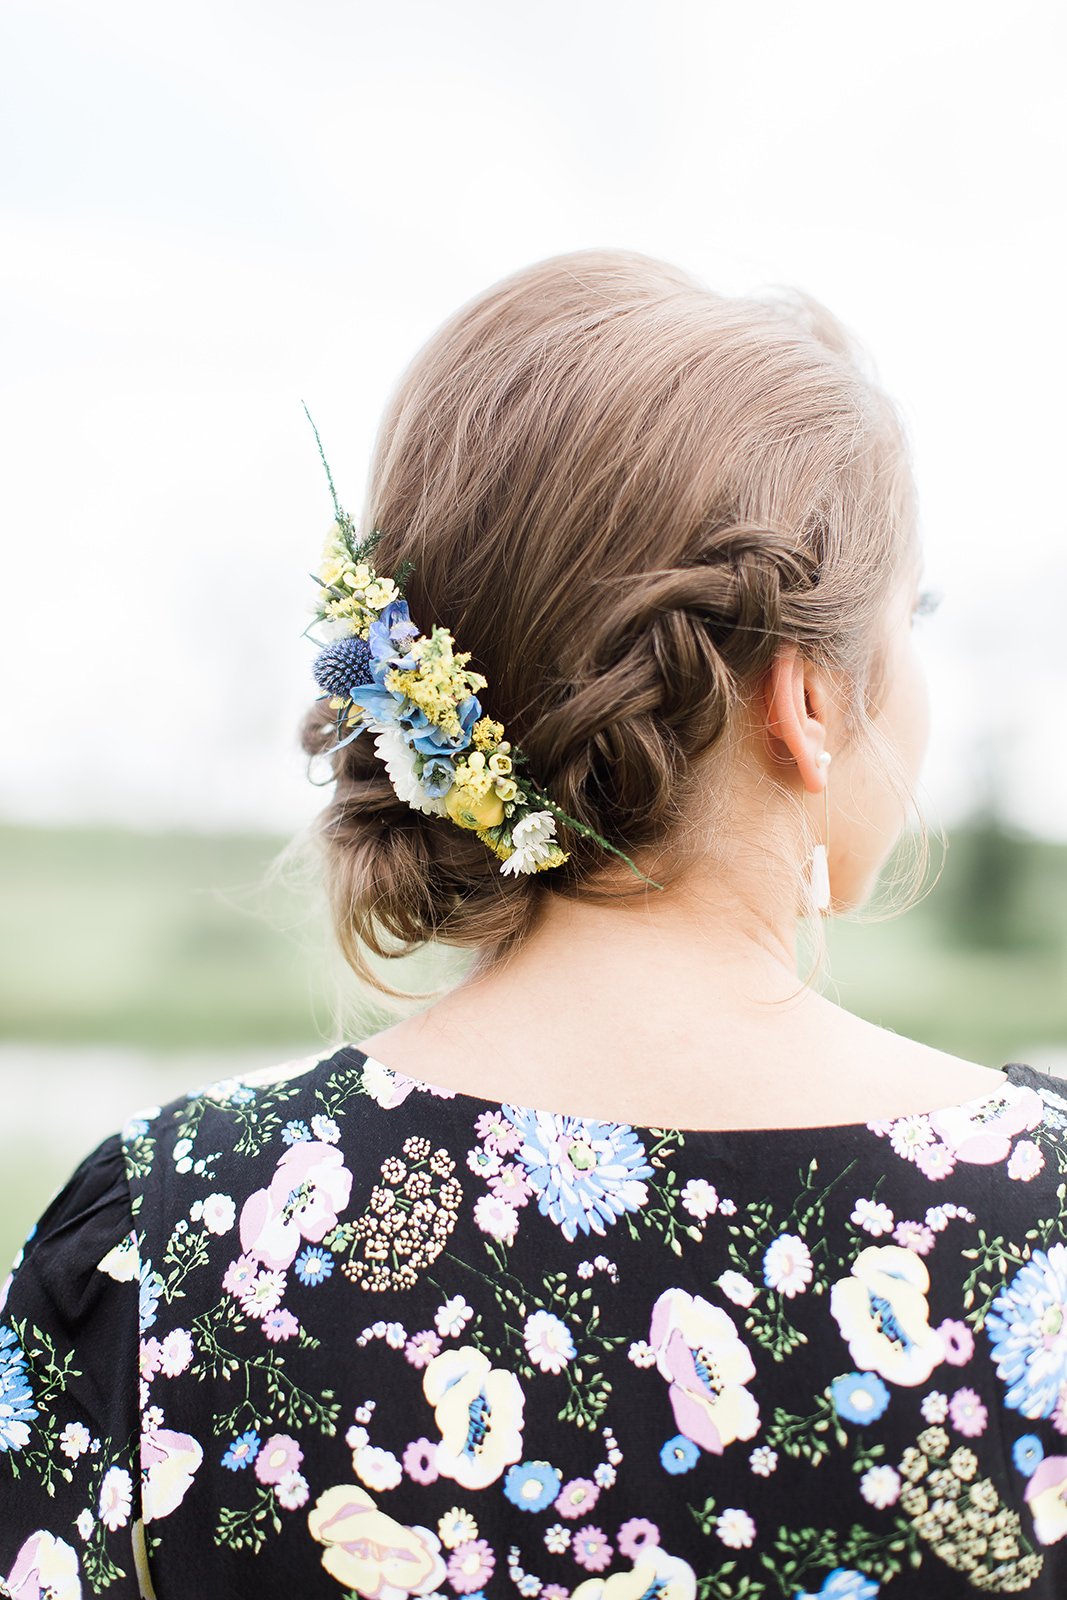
(548,1341)
(735,1528)
(787,1265)
(398,754)
(531,837)
(880,1486)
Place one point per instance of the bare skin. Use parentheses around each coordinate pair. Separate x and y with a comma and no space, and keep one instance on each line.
(684,1008)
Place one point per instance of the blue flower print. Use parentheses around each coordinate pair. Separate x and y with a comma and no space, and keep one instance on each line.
(295,1133)
(532,1485)
(842,1584)
(859,1396)
(1028,1453)
(1028,1327)
(151,1289)
(314,1264)
(243,1451)
(16,1398)
(679,1454)
(585,1173)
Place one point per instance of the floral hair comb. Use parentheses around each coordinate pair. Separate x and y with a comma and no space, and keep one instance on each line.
(418,696)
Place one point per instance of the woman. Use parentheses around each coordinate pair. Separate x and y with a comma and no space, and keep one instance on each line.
(632,1266)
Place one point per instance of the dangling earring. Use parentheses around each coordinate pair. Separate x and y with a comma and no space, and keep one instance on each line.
(820,872)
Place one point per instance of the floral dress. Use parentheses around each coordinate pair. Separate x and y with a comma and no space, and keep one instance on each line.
(329,1330)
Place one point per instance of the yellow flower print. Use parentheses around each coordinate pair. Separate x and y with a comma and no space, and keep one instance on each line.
(479,1410)
(883,1313)
(667,1577)
(369,1551)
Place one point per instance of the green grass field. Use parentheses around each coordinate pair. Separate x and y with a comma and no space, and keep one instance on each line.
(137,966)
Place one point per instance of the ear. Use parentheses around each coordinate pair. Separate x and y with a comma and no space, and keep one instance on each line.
(794,705)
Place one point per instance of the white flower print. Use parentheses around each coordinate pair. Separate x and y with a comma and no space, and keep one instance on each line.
(377,1468)
(218,1214)
(699,1198)
(787,1265)
(116,1498)
(736,1287)
(453,1316)
(880,1486)
(873,1217)
(548,1342)
(735,1528)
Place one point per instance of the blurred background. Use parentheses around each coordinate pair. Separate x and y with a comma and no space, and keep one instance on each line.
(215,212)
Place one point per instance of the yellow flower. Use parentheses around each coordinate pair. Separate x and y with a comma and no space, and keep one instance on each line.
(486,733)
(499,764)
(506,788)
(471,811)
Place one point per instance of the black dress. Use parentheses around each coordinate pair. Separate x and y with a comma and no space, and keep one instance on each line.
(330,1330)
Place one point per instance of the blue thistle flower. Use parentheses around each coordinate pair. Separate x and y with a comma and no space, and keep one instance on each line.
(343,665)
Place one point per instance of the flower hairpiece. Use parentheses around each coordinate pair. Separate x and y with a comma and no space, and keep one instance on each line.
(418,696)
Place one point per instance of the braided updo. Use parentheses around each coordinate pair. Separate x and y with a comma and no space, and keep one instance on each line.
(621,492)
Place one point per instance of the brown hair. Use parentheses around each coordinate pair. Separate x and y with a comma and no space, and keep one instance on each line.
(621,492)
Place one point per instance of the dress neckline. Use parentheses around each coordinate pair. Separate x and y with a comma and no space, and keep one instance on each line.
(473,1105)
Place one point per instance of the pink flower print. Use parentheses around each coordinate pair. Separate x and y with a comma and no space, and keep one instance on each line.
(511,1183)
(263,1293)
(1026,1161)
(935,1161)
(1059,1410)
(958,1341)
(591,1548)
(914,1236)
(967,1413)
(981,1131)
(422,1347)
(169,1463)
(635,1535)
(151,1358)
(279,1456)
(310,1186)
(420,1461)
(44,1565)
(576,1498)
(498,1133)
(239,1275)
(280,1324)
(470,1565)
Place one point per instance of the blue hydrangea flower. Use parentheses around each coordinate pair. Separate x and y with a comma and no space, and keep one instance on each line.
(843,1584)
(585,1173)
(295,1133)
(532,1485)
(1028,1328)
(243,1451)
(314,1264)
(1028,1453)
(679,1454)
(17,1409)
(859,1396)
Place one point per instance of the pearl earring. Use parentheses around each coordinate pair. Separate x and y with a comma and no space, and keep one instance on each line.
(820,872)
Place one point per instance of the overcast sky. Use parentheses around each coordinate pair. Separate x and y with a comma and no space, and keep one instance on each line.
(214,211)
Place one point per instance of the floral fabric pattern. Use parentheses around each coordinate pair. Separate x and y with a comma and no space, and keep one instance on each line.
(331,1330)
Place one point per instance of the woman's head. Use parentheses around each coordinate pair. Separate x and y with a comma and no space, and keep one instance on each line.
(625,494)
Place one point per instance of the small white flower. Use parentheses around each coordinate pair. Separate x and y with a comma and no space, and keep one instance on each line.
(74,1440)
(735,1528)
(557,1538)
(642,1354)
(325,1130)
(377,1468)
(116,1497)
(398,755)
(453,1316)
(177,1352)
(584,1269)
(763,1460)
(937,1218)
(699,1198)
(873,1217)
(531,838)
(85,1523)
(727,1207)
(736,1288)
(604,1475)
(548,1342)
(880,1486)
(291,1491)
(218,1212)
(935,1406)
(356,1438)
(498,1218)
(787,1265)
(396,1335)
(909,1134)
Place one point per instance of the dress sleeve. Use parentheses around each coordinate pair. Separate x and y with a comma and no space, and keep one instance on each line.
(70,1514)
